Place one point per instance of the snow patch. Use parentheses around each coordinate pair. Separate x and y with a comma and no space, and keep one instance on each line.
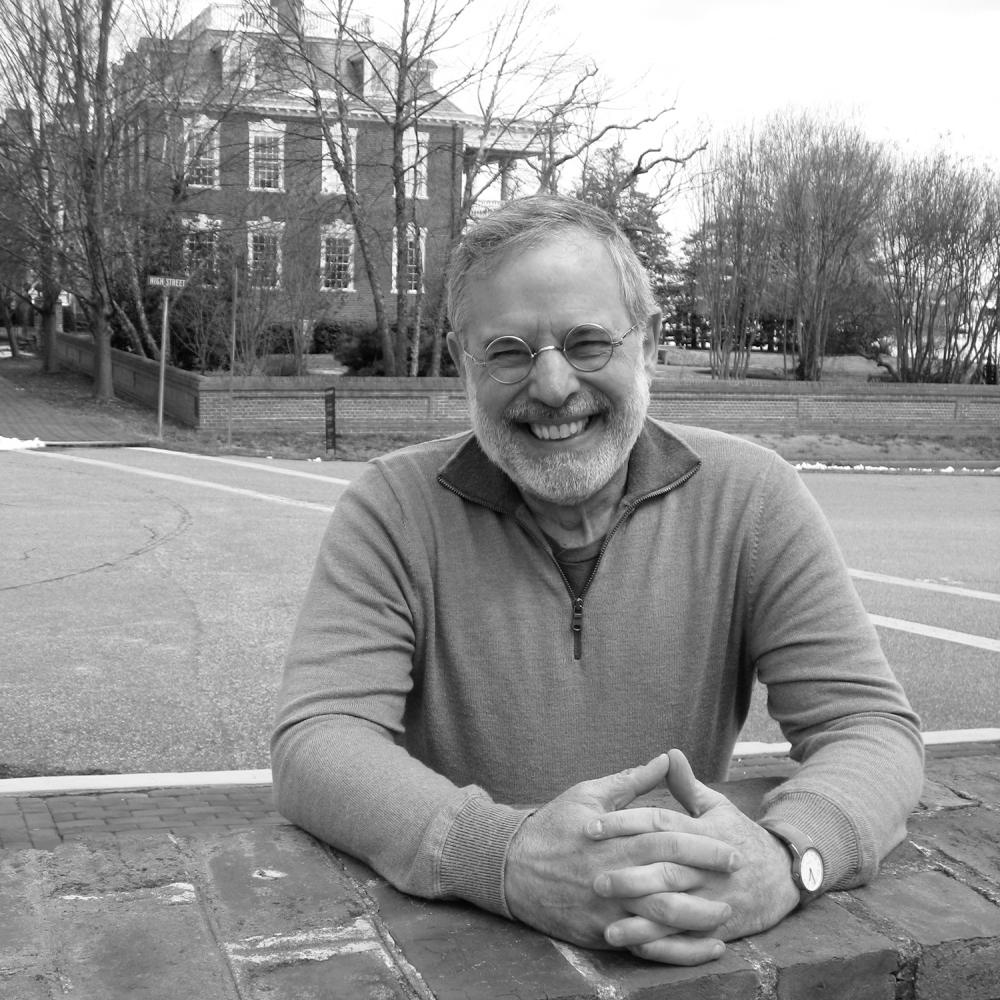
(15,444)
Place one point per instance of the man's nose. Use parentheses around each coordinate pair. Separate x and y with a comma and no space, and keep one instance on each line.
(553,379)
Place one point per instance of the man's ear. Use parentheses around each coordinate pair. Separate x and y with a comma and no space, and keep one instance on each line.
(651,343)
(456,352)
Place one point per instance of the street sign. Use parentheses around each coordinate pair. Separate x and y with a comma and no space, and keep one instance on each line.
(160,281)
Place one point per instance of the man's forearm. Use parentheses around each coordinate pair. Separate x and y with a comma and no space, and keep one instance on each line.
(349,784)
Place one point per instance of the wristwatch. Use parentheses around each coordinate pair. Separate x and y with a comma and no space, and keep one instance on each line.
(807,863)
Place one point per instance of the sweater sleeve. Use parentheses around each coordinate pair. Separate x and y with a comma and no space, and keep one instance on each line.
(340,770)
(830,689)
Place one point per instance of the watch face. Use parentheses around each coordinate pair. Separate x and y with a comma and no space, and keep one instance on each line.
(811,870)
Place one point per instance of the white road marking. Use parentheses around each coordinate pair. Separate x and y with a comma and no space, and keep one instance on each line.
(187,481)
(256,466)
(78,783)
(934,738)
(933,632)
(941,588)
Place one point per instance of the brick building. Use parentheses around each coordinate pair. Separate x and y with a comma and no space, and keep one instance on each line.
(240,153)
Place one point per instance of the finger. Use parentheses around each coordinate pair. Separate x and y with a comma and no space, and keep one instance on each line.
(631,931)
(693,849)
(631,883)
(681,910)
(680,949)
(692,794)
(637,819)
(617,790)
(641,880)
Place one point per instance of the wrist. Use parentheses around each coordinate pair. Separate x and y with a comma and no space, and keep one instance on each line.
(805,866)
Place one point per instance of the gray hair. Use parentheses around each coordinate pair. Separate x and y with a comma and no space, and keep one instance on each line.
(527,222)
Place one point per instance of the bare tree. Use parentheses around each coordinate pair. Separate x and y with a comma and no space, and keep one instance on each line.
(939,267)
(31,161)
(532,101)
(733,247)
(832,179)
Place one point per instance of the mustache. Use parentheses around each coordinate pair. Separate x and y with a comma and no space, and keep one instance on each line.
(579,405)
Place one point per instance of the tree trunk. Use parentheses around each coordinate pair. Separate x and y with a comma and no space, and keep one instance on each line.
(104,387)
(51,327)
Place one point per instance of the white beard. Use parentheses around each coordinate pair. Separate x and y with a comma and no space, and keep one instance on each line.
(565,478)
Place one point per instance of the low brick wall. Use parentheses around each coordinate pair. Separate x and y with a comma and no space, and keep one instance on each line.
(437,406)
(137,378)
(427,407)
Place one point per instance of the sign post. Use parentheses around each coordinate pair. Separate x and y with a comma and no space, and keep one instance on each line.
(160,281)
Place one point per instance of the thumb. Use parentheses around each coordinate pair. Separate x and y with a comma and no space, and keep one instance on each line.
(617,790)
(697,798)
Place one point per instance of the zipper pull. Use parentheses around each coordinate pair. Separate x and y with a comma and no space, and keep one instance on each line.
(576,626)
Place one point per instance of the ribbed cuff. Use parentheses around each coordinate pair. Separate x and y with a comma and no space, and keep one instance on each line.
(474,856)
(831,831)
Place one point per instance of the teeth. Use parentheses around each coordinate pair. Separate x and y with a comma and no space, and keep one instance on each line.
(549,433)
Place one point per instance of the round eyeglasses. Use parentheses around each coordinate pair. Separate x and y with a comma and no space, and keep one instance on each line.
(587,347)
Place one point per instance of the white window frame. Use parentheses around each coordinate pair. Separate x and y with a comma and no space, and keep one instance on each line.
(415,145)
(332,231)
(330,181)
(201,133)
(277,229)
(202,224)
(423,257)
(266,129)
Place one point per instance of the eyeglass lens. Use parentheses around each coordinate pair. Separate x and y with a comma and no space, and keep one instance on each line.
(587,348)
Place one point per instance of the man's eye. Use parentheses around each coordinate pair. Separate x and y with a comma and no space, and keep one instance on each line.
(506,353)
(589,344)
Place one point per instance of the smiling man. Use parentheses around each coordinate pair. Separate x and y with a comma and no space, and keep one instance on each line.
(505,630)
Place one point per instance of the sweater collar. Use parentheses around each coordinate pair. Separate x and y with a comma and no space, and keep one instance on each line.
(658,461)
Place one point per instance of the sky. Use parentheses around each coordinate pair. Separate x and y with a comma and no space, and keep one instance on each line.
(913,72)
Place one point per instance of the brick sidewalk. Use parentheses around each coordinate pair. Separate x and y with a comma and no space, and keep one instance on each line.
(45,821)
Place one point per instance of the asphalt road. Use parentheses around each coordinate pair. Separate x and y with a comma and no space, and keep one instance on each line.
(147,598)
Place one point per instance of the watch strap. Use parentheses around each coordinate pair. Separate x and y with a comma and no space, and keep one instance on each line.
(798,843)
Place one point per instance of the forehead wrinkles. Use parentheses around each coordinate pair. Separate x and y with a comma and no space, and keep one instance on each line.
(540,295)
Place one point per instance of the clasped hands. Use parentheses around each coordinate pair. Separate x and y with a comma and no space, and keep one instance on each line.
(667,886)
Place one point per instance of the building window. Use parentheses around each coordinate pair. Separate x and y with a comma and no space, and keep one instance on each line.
(337,257)
(201,152)
(264,253)
(267,156)
(331,182)
(415,247)
(201,249)
(415,163)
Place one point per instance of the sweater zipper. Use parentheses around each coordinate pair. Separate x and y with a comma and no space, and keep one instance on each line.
(576,618)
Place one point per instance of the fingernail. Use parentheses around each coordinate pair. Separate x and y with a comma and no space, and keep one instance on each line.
(612,935)
(735,861)
(595,828)
(718,949)
(602,885)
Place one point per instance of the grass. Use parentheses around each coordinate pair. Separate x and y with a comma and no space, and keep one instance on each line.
(75,391)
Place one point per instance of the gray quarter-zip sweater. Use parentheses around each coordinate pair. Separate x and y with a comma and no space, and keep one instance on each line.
(442,677)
